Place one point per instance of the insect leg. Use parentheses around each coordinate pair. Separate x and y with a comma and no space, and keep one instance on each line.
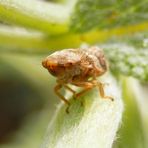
(70,89)
(87,86)
(56,89)
(102,93)
(83,91)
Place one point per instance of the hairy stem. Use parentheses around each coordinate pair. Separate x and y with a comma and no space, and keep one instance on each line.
(93,124)
(131,133)
(38,15)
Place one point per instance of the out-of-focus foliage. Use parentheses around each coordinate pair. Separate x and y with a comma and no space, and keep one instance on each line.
(127,60)
(90,14)
(26,98)
(131,132)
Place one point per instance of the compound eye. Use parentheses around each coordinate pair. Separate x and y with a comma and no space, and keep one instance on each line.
(52,71)
(58,70)
(68,64)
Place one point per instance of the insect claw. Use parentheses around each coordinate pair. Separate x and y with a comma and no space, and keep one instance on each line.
(109,97)
(82,104)
(112,99)
(67,108)
(74,96)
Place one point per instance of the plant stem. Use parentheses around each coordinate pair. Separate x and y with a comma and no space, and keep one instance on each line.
(41,43)
(132,132)
(38,15)
(92,125)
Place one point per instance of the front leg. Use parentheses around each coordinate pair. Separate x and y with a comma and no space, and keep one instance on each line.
(70,89)
(56,89)
(86,85)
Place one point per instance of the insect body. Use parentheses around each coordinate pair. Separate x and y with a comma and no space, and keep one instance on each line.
(78,67)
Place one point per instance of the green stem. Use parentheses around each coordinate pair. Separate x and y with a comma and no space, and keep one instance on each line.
(12,40)
(93,124)
(47,17)
(132,130)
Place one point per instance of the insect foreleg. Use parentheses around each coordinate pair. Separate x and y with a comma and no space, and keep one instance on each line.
(70,89)
(87,86)
(56,89)
(83,91)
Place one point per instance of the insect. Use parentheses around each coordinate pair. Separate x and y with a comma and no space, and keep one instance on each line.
(79,67)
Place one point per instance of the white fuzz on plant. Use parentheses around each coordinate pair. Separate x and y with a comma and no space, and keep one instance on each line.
(91,123)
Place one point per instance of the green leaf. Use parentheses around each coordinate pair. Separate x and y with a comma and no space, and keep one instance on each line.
(131,133)
(89,14)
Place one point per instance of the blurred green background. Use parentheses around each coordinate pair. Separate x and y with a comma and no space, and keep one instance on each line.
(26,100)
(32,29)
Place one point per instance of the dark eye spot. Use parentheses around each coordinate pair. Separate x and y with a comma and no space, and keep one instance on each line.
(52,71)
(70,63)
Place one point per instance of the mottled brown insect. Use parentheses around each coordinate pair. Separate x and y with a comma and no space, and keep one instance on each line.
(79,67)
